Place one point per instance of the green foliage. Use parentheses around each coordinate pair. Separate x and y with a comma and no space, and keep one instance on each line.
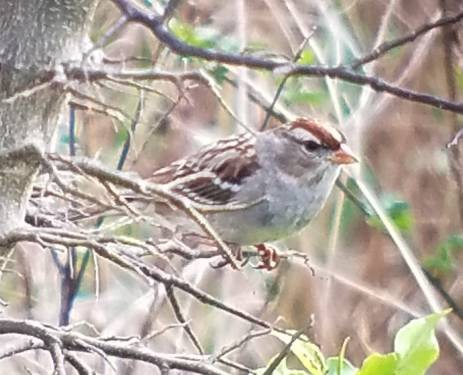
(339,366)
(282,369)
(202,36)
(459,77)
(272,287)
(379,364)
(296,93)
(415,350)
(121,135)
(308,354)
(64,139)
(307,57)
(219,73)
(207,38)
(399,212)
(443,262)
(416,345)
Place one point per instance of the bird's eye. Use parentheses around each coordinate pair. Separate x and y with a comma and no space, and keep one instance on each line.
(312,145)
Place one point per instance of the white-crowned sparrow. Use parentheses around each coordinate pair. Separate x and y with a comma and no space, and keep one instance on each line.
(266,186)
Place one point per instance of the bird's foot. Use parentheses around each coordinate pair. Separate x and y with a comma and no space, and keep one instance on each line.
(269,258)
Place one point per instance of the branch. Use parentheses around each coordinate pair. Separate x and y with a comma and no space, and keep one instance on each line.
(78,342)
(203,297)
(456,309)
(389,45)
(24,346)
(56,237)
(78,364)
(146,188)
(284,353)
(170,9)
(154,23)
(180,317)
(449,41)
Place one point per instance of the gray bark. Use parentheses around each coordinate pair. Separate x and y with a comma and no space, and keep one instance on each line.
(35,38)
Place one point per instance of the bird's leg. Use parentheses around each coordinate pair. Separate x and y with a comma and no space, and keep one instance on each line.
(240,257)
(269,258)
(195,240)
(268,255)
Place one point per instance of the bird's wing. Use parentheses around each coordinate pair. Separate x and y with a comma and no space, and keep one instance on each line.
(214,175)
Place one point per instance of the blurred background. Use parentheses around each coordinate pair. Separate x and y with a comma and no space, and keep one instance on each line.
(357,284)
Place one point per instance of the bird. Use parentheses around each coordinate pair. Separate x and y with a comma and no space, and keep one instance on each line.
(265,186)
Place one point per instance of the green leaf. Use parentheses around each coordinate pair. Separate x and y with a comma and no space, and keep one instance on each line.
(338,366)
(459,77)
(296,93)
(455,242)
(443,262)
(307,57)
(417,346)
(305,96)
(379,364)
(440,264)
(306,352)
(64,138)
(282,369)
(342,355)
(189,35)
(415,350)
(399,212)
(219,73)
(203,36)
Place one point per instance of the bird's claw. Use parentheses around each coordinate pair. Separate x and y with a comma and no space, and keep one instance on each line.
(268,258)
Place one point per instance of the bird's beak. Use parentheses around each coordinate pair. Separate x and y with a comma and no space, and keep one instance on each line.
(343,156)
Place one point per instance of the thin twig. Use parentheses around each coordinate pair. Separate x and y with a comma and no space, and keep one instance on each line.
(145,188)
(411,261)
(78,364)
(163,330)
(237,345)
(297,56)
(449,38)
(284,353)
(116,27)
(56,352)
(23,346)
(179,315)
(120,164)
(456,308)
(154,23)
(170,9)
(385,47)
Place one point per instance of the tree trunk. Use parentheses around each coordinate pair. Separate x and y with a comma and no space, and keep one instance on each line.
(35,38)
